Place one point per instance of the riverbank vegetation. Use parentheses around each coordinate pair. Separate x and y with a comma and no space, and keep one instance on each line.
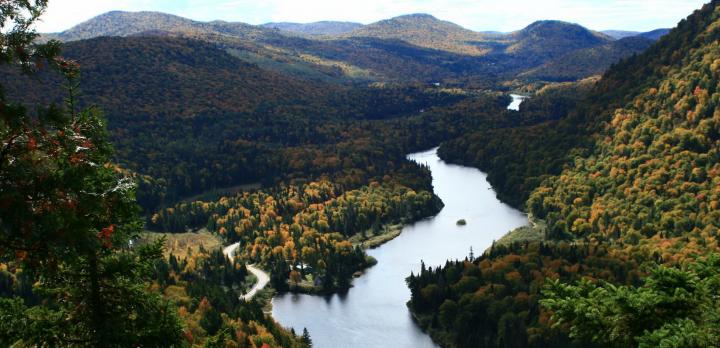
(205,286)
(302,230)
(536,143)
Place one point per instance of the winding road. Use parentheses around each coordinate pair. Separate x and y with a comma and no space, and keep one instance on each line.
(262,278)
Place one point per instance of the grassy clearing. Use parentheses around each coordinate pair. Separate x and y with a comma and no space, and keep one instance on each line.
(305,286)
(264,297)
(182,244)
(348,70)
(249,282)
(371,241)
(533,233)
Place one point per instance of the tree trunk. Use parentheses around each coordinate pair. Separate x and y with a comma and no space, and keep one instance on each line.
(96,304)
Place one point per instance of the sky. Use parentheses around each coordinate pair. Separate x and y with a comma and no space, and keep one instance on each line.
(479,15)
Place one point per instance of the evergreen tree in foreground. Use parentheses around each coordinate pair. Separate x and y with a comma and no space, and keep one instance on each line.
(68,218)
(306,338)
(676,307)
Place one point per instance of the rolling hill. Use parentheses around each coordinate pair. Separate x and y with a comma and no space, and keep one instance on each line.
(121,23)
(544,40)
(426,31)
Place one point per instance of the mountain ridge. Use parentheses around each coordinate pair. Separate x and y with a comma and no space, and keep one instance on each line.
(415,47)
(315,28)
(133,22)
(652,35)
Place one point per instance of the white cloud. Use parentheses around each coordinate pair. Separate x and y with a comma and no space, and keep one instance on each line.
(473,14)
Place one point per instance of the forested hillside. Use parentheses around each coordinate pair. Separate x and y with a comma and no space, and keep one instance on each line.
(589,61)
(551,39)
(305,228)
(643,194)
(537,144)
(196,118)
(653,169)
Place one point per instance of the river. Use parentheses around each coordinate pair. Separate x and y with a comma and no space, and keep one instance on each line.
(373,312)
(516,101)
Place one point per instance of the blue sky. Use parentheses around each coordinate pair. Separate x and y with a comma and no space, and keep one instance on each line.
(639,15)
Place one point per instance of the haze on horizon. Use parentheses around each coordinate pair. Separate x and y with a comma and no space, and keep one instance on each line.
(479,15)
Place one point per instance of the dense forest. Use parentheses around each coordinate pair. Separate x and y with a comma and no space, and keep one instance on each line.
(302,232)
(204,285)
(632,219)
(537,143)
(588,61)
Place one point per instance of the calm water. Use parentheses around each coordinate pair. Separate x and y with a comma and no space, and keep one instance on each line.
(516,101)
(373,312)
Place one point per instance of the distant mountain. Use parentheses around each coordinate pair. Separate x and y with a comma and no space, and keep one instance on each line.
(417,47)
(120,23)
(589,61)
(339,60)
(317,28)
(248,42)
(492,32)
(621,34)
(424,30)
(544,40)
(655,34)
